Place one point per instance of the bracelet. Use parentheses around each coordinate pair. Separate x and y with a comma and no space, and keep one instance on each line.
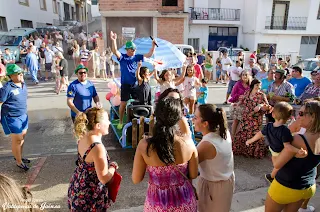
(114,165)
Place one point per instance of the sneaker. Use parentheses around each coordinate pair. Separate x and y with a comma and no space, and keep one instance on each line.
(24,160)
(119,126)
(268,178)
(308,209)
(23,167)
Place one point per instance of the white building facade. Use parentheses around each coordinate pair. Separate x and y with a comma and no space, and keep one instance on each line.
(290,26)
(35,13)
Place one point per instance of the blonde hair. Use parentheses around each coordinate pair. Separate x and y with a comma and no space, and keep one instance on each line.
(282,110)
(86,121)
(12,193)
(59,54)
(248,75)
(313,109)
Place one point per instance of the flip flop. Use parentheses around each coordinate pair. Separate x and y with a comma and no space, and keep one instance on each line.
(23,166)
(24,160)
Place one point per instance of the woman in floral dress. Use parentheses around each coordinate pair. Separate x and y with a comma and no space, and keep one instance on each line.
(254,104)
(87,190)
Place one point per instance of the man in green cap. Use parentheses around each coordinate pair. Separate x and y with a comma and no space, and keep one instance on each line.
(279,91)
(14,117)
(128,67)
(81,92)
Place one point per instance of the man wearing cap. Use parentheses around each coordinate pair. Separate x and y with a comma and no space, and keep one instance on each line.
(81,92)
(14,117)
(279,91)
(128,67)
(32,64)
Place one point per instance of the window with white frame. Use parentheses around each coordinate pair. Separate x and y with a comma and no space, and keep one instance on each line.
(43,5)
(54,6)
(3,24)
(24,2)
(194,42)
(318,16)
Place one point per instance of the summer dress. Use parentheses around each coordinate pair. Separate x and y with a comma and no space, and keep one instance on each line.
(85,192)
(168,190)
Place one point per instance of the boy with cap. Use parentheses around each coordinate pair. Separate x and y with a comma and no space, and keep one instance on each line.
(81,92)
(14,117)
(128,67)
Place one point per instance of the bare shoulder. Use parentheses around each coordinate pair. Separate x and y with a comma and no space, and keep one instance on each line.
(142,146)
(298,141)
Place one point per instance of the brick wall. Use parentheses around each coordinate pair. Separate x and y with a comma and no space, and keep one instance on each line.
(171,29)
(138,5)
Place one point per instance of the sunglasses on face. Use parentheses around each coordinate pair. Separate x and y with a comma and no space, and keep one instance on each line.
(80,73)
(314,74)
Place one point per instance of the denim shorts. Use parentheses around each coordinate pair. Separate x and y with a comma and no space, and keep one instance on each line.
(14,125)
(230,86)
(218,73)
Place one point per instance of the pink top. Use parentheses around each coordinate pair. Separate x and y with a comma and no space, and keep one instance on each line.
(197,70)
(2,70)
(237,91)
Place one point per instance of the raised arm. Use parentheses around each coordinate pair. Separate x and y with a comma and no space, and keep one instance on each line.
(150,53)
(255,138)
(138,72)
(157,77)
(114,48)
(182,75)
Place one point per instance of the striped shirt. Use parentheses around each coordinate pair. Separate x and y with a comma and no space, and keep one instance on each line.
(84,55)
(284,90)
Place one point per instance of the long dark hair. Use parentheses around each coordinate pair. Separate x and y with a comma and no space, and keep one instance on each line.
(162,75)
(216,118)
(253,83)
(165,93)
(168,113)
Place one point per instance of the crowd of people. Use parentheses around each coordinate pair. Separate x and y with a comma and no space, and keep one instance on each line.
(170,155)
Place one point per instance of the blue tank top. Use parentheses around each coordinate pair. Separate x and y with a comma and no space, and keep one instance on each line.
(299,173)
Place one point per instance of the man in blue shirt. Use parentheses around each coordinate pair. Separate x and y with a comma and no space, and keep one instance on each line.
(33,64)
(81,92)
(14,117)
(128,67)
(298,81)
(8,57)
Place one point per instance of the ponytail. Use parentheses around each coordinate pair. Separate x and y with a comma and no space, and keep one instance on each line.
(80,125)
(216,118)
(222,123)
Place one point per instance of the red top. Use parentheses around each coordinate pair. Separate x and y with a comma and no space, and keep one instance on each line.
(197,70)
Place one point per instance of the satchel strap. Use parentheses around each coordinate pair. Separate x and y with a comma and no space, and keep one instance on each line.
(177,168)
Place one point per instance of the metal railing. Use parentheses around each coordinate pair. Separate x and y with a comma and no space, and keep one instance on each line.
(214,14)
(286,23)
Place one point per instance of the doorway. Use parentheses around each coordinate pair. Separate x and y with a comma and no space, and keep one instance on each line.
(308,46)
(280,11)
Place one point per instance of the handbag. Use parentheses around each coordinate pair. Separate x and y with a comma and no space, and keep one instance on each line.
(185,177)
(114,186)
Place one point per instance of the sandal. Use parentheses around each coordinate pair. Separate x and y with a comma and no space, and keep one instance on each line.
(24,160)
(23,166)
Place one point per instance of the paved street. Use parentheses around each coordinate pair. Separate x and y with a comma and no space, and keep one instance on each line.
(52,148)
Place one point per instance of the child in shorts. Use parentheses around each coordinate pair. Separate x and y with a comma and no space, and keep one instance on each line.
(218,71)
(278,135)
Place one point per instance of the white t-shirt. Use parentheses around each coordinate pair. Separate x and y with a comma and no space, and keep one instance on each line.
(48,54)
(222,166)
(38,43)
(225,60)
(234,73)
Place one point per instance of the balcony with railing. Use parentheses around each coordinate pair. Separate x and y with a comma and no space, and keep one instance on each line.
(286,23)
(215,14)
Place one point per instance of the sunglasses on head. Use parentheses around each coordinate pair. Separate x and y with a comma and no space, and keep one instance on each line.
(82,73)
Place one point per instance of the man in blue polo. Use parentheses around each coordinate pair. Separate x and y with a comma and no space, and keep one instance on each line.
(14,117)
(81,92)
(128,67)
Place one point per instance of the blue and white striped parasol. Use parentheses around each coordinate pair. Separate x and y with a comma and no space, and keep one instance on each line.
(167,53)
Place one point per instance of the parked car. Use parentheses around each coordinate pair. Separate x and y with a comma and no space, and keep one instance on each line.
(231,51)
(72,26)
(42,30)
(185,49)
(307,65)
(12,40)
